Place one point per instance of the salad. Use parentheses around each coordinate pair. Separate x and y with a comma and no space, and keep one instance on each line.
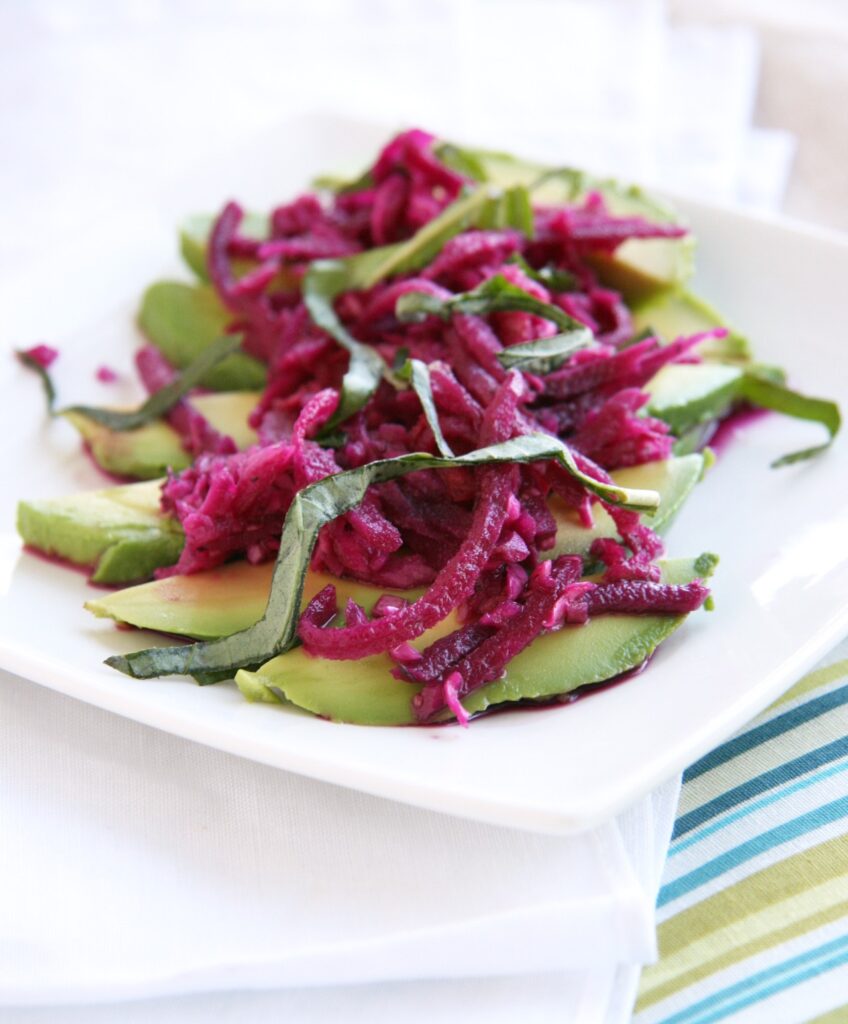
(411,442)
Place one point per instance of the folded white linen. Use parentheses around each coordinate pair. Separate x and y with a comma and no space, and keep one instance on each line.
(563,998)
(136,864)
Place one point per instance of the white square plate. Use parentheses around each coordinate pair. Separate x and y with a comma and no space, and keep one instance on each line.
(781,589)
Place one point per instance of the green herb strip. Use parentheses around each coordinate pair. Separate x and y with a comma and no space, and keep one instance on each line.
(545,354)
(44,374)
(327,279)
(341,186)
(419,250)
(551,277)
(764,386)
(499,295)
(495,295)
(477,164)
(314,507)
(769,394)
(323,282)
(417,374)
(510,208)
(463,161)
(157,405)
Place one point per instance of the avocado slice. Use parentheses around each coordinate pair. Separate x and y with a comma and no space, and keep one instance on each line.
(640,268)
(118,531)
(688,394)
(605,647)
(644,267)
(182,319)
(148,452)
(203,606)
(680,314)
(364,692)
(672,478)
(143,454)
(217,602)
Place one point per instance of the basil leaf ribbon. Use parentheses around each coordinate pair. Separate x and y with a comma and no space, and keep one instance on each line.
(327,279)
(46,380)
(417,373)
(499,295)
(157,404)
(770,394)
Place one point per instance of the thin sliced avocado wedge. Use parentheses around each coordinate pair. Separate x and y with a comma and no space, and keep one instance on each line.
(147,452)
(644,267)
(203,606)
(681,314)
(119,531)
(365,693)
(218,602)
(558,663)
(228,412)
(685,394)
(182,319)
(143,454)
(672,478)
(640,268)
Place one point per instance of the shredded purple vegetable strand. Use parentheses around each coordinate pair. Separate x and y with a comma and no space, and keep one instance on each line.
(196,432)
(476,539)
(42,354)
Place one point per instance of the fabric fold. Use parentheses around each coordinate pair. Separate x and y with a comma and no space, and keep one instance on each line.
(137,864)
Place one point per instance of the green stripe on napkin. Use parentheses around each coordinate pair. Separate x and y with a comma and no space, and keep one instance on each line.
(754,901)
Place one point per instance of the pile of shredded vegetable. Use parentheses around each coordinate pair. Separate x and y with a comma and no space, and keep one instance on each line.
(504,331)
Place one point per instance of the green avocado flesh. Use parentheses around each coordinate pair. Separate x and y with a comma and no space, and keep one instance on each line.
(364,692)
(644,267)
(217,602)
(149,451)
(685,395)
(118,531)
(673,479)
(182,319)
(640,268)
(189,614)
(681,314)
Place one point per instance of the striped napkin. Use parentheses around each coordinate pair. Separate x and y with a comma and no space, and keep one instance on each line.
(753,909)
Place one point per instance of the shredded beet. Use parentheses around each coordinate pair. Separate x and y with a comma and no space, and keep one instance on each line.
(489,658)
(644,597)
(475,539)
(196,432)
(455,583)
(43,355)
